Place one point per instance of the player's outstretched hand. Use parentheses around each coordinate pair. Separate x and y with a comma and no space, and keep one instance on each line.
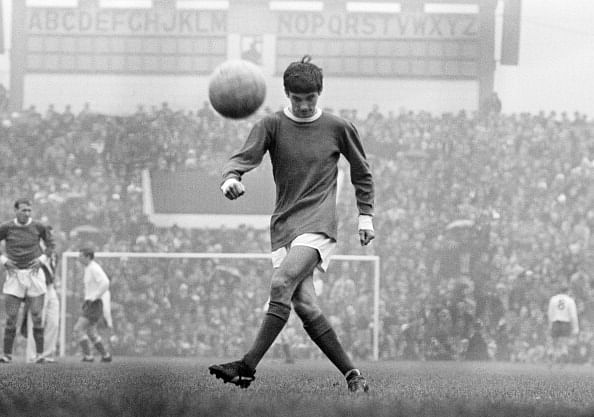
(366,236)
(232,189)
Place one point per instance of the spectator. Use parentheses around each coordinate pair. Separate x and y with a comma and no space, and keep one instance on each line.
(528,175)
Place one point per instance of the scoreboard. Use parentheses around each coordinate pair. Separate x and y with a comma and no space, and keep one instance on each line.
(195,41)
(382,45)
(162,42)
(132,41)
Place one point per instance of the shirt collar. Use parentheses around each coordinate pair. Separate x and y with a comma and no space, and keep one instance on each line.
(26,224)
(290,115)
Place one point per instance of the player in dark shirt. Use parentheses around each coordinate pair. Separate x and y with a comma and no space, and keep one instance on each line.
(304,145)
(25,280)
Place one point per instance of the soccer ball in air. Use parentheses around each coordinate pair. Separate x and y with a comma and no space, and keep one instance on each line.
(237,89)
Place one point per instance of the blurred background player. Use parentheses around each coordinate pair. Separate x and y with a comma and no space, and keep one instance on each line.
(96,284)
(106,322)
(51,316)
(563,324)
(25,280)
(305,144)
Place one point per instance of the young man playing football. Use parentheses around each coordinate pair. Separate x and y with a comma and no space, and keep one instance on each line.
(304,144)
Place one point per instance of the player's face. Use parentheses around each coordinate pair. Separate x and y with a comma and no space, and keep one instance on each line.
(303,104)
(23,213)
(83,259)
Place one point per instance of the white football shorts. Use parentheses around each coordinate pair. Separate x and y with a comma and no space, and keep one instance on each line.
(319,241)
(25,283)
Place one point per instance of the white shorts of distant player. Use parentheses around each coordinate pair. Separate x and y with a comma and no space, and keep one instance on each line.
(23,283)
(319,241)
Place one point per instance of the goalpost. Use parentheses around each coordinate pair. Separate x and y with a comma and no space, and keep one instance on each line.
(67,257)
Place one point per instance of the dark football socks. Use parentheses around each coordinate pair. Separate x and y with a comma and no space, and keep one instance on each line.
(100,348)
(9,335)
(86,348)
(38,337)
(274,321)
(321,332)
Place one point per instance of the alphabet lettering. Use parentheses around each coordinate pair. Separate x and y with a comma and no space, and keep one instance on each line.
(123,21)
(68,21)
(368,26)
(85,22)
(318,23)
(51,20)
(302,24)
(471,29)
(35,22)
(402,23)
(435,29)
(184,22)
(335,25)
(102,22)
(351,26)
(419,25)
(134,22)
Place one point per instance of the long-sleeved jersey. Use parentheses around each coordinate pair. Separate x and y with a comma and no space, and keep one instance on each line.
(95,280)
(304,159)
(562,308)
(22,241)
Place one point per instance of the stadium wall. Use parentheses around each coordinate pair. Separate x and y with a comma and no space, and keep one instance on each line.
(120,94)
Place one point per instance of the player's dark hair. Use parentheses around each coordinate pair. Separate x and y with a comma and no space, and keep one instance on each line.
(87,252)
(303,77)
(20,201)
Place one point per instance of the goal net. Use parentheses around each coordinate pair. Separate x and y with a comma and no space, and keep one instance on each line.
(211,304)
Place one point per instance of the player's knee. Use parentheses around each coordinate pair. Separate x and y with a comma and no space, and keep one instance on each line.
(280,288)
(306,311)
(79,330)
(36,319)
(11,322)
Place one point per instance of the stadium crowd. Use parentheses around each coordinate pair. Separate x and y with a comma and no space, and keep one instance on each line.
(478,217)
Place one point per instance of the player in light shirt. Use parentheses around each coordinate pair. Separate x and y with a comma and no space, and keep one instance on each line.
(96,285)
(563,323)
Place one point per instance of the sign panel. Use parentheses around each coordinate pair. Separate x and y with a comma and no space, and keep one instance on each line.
(125,41)
(126,22)
(377,26)
(198,192)
(403,45)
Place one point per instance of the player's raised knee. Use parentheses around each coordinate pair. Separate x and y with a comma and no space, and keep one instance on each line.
(281,289)
(306,310)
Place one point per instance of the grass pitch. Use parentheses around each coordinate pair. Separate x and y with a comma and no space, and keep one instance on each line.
(183,387)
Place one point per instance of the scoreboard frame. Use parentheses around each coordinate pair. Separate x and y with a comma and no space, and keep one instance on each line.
(163,40)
